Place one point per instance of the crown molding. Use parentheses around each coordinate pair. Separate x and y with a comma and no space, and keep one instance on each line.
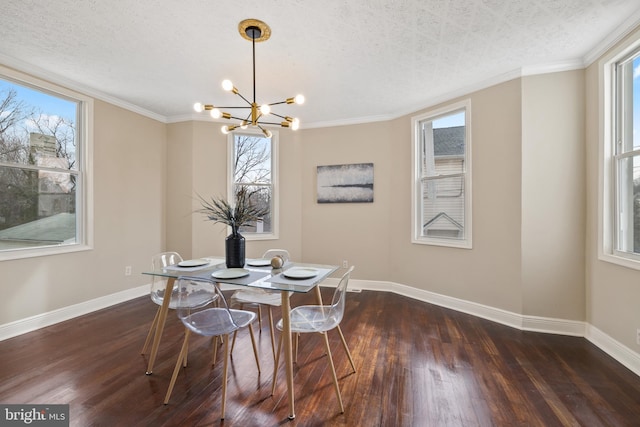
(41,73)
(623,30)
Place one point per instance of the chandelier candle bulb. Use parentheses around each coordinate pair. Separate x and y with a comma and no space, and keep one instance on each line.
(227,85)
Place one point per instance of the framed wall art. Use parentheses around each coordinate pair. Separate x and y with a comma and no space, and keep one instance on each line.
(351,183)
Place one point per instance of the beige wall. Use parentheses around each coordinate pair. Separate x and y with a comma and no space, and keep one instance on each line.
(510,266)
(356,232)
(376,237)
(198,166)
(612,291)
(129,199)
(178,191)
(489,273)
(553,195)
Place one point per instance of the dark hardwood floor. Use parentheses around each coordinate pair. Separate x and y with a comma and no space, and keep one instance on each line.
(418,365)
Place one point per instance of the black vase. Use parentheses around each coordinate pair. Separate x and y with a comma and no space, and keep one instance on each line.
(234,250)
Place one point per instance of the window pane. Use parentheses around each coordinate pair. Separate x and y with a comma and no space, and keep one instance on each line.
(38,167)
(443,176)
(629,204)
(259,196)
(635,104)
(37,208)
(253,171)
(36,125)
(253,159)
(443,212)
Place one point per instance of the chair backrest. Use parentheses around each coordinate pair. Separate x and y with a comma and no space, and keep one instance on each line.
(193,309)
(339,297)
(277,252)
(164,259)
(158,283)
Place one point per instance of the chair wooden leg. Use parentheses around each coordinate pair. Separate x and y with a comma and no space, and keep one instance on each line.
(346,348)
(260,318)
(176,370)
(272,332)
(224,375)
(215,350)
(255,348)
(233,343)
(333,371)
(151,331)
(275,366)
(184,360)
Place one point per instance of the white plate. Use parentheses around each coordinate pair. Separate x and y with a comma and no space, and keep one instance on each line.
(230,273)
(259,262)
(193,263)
(300,273)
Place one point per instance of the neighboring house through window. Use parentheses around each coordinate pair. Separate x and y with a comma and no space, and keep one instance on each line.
(43,177)
(253,166)
(442,177)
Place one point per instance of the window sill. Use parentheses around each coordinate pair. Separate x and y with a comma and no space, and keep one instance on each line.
(43,251)
(620,260)
(462,244)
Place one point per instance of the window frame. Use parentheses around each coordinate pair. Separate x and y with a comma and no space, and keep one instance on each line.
(608,184)
(416,188)
(84,156)
(611,103)
(275,216)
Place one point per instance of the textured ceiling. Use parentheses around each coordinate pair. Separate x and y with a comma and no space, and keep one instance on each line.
(355,60)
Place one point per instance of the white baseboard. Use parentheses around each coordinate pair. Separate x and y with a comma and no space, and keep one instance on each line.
(32,323)
(615,349)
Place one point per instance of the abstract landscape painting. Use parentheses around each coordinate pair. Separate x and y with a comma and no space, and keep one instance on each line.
(345,183)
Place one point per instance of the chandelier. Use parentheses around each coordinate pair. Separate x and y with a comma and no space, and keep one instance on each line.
(257,116)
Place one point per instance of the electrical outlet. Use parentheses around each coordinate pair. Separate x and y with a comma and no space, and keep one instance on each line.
(345,264)
(127,270)
(638,336)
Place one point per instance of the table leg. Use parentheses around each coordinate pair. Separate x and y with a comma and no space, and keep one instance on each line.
(288,357)
(318,295)
(162,317)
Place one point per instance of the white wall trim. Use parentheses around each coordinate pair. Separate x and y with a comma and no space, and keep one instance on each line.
(41,73)
(38,321)
(613,348)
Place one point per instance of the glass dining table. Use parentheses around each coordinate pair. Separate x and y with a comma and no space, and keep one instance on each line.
(292,277)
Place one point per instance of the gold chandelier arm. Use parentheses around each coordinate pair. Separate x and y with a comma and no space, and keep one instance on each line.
(287,118)
(242,96)
(287,101)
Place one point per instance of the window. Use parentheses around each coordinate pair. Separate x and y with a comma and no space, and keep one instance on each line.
(442,177)
(253,165)
(43,145)
(623,157)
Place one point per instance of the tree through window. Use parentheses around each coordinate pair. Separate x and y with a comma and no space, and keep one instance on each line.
(253,160)
(39,168)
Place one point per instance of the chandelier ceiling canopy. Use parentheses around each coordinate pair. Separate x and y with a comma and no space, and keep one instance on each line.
(257,115)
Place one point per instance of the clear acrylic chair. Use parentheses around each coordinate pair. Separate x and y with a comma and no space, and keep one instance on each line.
(321,319)
(158,288)
(255,297)
(210,321)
